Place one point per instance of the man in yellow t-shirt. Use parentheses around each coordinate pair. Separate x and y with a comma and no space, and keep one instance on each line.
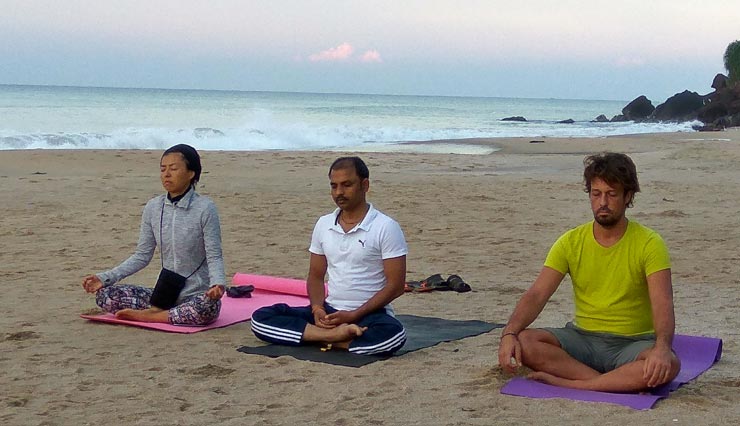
(620,338)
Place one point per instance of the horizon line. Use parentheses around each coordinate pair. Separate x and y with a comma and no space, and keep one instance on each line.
(300,92)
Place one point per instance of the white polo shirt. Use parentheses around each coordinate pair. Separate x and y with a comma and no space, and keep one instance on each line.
(355,259)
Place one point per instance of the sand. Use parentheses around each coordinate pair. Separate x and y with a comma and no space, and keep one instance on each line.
(489,218)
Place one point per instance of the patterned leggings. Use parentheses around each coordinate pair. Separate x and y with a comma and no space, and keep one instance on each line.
(195,310)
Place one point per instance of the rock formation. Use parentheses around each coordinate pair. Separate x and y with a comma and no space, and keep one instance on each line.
(721,108)
(638,110)
(682,106)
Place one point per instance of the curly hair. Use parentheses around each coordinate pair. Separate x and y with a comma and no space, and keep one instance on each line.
(614,169)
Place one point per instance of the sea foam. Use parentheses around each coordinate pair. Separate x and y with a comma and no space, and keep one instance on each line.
(98,118)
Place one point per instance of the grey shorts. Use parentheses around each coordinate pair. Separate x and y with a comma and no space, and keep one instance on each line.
(601,351)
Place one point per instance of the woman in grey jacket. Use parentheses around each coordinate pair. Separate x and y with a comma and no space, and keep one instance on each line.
(185,226)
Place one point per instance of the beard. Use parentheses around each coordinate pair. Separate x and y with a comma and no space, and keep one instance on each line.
(608,221)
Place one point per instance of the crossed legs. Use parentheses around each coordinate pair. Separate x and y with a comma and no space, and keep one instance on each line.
(131,302)
(542,352)
(377,333)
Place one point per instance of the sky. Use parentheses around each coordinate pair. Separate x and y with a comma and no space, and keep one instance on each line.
(562,49)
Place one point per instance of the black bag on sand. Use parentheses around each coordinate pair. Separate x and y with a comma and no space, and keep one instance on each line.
(168,288)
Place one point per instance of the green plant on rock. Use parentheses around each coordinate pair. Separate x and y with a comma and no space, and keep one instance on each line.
(732,61)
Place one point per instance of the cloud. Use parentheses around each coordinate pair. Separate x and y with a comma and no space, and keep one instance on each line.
(371,56)
(344,52)
(340,53)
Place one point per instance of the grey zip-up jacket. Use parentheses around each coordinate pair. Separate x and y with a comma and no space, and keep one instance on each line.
(191,232)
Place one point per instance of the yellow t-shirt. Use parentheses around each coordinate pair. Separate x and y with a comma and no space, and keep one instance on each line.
(610,283)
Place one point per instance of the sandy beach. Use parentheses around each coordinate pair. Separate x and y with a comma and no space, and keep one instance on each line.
(489,218)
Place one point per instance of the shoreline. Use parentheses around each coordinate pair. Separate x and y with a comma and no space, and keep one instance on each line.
(484,146)
(541,145)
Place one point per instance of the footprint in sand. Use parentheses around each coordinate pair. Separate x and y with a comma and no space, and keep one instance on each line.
(731,383)
(93,311)
(672,213)
(22,335)
(210,370)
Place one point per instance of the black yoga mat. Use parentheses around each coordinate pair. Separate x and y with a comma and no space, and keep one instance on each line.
(421,332)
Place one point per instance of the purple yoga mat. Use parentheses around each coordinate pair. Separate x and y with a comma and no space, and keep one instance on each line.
(697,355)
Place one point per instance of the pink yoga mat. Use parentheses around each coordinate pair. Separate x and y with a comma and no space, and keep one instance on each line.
(276,284)
(269,291)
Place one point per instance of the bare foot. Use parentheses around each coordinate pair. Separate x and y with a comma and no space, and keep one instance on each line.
(549,379)
(543,377)
(340,335)
(144,315)
(348,332)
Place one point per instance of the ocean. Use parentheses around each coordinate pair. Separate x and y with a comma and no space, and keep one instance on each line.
(50,117)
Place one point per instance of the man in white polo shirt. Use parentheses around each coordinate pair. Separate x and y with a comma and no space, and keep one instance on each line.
(364,252)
